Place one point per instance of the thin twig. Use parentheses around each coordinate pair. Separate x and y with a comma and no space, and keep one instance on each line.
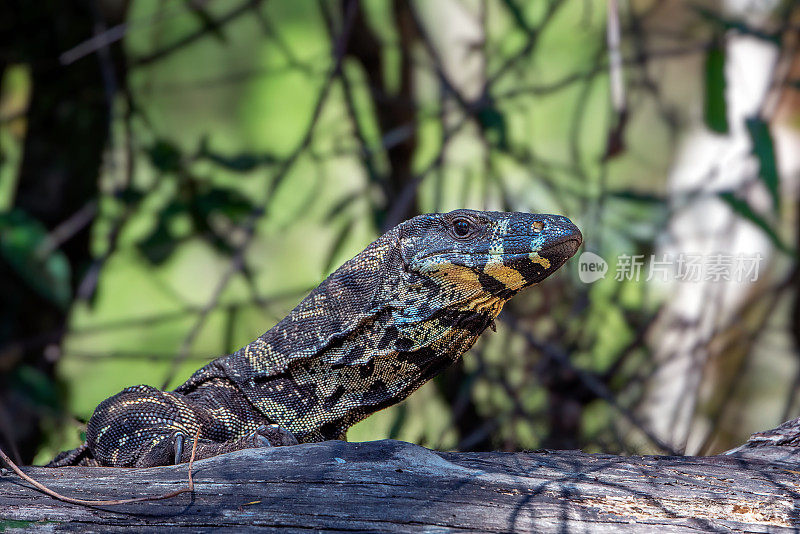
(406,195)
(192,37)
(597,70)
(589,380)
(530,45)
(91,502)
(113,34)
(54,335)
(67,229)
(100,40)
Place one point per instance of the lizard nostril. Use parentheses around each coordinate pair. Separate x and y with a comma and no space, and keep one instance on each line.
(537,226)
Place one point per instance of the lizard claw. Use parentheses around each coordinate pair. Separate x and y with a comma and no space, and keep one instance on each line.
(178,448)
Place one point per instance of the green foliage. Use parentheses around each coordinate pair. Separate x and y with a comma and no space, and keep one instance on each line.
(639,197)
(165,156)
(338,243)
(37,386)
(25,245)
(716,108)
(493,123)
(764,150)
(194,199)
(160,244)
(743,209)
(240,163)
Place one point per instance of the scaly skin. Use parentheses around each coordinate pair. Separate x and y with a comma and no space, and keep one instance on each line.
(374,331)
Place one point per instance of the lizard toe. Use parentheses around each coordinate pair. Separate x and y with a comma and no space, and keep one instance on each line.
(272,436)
(277,435)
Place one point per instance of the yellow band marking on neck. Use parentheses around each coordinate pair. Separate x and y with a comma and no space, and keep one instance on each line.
(510,277)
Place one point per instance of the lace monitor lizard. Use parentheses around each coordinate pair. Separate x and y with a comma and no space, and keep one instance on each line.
(374,331)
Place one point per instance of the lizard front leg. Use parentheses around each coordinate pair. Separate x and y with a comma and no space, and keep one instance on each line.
(144,427)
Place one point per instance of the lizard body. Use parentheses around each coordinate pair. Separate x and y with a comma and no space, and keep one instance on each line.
(374,331)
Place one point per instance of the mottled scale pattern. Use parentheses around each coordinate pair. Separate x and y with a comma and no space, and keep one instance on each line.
(147,419)
(385,322)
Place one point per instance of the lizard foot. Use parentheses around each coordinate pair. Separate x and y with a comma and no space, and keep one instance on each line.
(263,436)
(271,436)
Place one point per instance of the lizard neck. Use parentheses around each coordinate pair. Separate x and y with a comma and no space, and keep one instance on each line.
(366,338)
(380,364)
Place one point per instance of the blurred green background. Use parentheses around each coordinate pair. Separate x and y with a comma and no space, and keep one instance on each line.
(176,175)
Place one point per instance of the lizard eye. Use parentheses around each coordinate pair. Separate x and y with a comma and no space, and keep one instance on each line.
(462,227)
(537,226)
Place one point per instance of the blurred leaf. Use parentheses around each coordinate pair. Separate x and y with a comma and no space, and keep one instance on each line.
(741,207)
(338,243)
(174,208)
(21,239)
(343,204)
(226,201)
(399,420)
(243,162)
(517,15)
(493,124)
(130,196)
(636,196)
(615,140)
(36,385)
(716,107)
(160,244)
(505,197)
(165,156)
(764,150)
(208,22)
(219,243)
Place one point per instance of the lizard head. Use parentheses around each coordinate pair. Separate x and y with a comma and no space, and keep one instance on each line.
(479,255)
(396,314)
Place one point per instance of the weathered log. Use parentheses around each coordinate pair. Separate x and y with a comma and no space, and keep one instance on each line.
(394,486)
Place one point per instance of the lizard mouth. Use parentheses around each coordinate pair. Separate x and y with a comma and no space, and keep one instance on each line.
(564,249)
(535,267)
(555,254)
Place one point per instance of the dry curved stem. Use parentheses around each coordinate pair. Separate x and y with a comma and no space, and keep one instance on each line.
(90,502)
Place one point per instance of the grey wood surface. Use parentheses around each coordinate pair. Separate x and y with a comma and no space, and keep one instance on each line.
(393,486)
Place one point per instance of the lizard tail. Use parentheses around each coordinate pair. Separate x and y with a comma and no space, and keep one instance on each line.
(78,456)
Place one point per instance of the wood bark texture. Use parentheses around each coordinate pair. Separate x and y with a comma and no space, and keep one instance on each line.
(393,486)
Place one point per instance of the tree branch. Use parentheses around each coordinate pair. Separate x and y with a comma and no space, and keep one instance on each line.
(393,486)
